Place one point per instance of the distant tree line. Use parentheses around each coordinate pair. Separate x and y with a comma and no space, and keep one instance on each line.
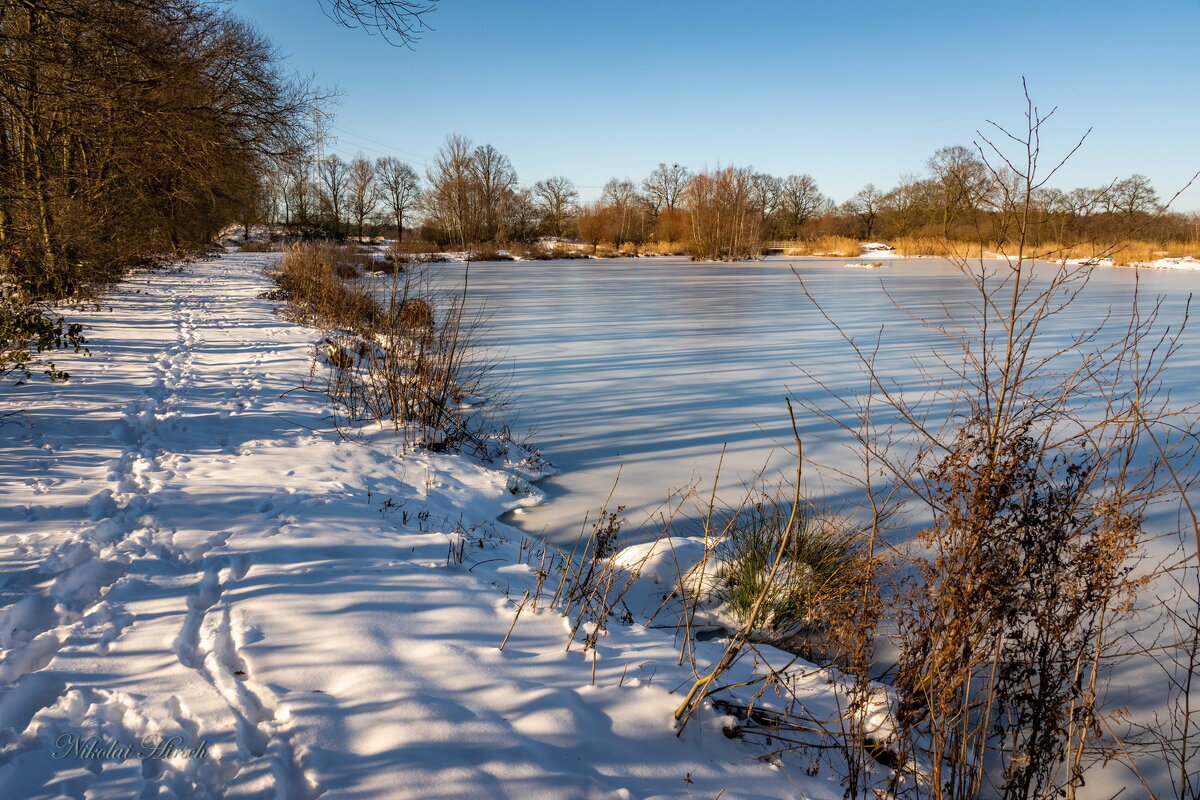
(131,131)
(469,195)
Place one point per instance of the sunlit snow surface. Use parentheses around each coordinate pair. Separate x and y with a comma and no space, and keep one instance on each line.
(188,551)
(648,367)
(191,555)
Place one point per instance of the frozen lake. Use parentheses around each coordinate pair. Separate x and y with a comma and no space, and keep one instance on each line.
(647,368)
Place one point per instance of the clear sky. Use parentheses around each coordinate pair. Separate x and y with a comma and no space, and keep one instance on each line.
(849,92)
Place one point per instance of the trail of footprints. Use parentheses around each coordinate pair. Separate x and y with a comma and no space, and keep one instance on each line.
(121,527)
(211,642)
(69,608)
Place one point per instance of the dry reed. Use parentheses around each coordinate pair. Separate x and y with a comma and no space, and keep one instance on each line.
(836,246)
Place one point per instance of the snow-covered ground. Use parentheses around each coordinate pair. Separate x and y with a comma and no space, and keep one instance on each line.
(878,250)
(881,250)
(192,559)
(1184,262)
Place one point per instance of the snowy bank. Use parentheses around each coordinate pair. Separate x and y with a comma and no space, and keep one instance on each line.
(208,595)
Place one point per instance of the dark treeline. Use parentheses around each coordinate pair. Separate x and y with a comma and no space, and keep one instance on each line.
(129,130)
(470,196)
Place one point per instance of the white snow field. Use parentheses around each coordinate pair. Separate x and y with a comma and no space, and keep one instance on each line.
(192,558)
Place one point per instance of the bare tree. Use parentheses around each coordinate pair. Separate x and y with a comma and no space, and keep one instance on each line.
(362,191)
(907,208)
(557,199)
(765,196)
(469,193)
(961,179)
(800,200)
(592,224)
(400,22)
(299,193)
(494,182)
(400,188)
(1132,197)
(725,223)
(622,198)
(865,206)
(449,201)
(256,206)
(521,216)
(664,187)
(333,175)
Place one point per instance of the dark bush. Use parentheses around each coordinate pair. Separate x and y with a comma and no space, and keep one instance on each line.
(26,330)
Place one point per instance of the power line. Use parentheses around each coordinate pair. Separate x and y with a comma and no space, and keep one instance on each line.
(391,147)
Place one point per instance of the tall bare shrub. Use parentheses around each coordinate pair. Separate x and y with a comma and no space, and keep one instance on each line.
(725,224)
(399,353)
(1036,461)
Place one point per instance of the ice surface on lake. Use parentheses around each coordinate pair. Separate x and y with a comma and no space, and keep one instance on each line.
(649,366)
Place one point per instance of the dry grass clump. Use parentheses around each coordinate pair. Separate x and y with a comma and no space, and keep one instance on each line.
(322,288)
(624,250)
(940,247)
(402,254)
(546,251)
(1122,253)
(535,251)
(414,314)
(390,264)
(414,248)
(838,246)
(665,248)
(1137,251)
(609,250)
(488,252)
(397,353)
(820,562)
(1188,249)
(531,252)
(259,247)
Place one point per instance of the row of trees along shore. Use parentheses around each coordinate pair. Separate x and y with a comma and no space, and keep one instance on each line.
(470,197)
(130,132)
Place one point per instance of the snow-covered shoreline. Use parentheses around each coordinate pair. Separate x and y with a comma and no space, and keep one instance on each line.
(193,557)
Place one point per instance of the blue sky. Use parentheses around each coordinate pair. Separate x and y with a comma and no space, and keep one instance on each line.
(849,92)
